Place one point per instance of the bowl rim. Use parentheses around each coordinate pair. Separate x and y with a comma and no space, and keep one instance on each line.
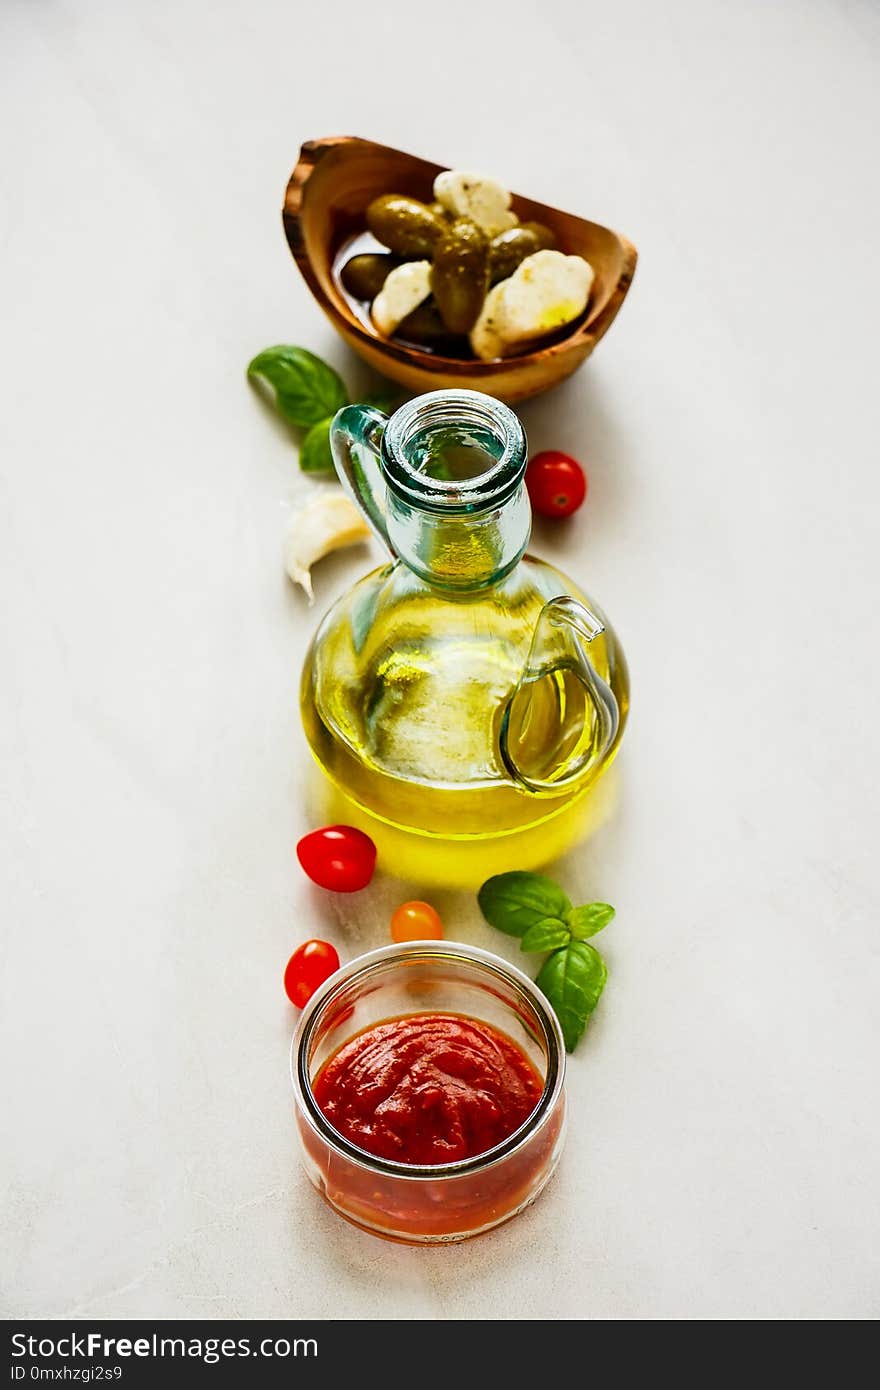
(371,963)
(348,324)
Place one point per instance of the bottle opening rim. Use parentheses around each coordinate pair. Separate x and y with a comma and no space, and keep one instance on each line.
(442,410)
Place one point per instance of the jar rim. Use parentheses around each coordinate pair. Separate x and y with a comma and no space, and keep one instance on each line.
(443,408)
(372,962)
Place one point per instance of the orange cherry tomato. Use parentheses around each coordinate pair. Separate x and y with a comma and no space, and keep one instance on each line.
(416,922)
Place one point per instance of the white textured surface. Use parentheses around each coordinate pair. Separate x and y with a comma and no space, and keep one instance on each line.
(724,1126)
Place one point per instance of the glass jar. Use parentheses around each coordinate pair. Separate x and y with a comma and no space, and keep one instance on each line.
(449,1201)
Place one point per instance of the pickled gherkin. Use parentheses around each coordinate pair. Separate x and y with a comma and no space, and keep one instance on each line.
(460,274)
(364,275)
(509,248)
(404,225)
(425,327)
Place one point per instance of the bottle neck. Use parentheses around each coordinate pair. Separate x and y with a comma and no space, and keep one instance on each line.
(463,552)
(457,510)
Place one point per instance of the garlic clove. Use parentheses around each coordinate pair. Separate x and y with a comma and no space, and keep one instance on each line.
(324,524)
(404,289)
(484,200)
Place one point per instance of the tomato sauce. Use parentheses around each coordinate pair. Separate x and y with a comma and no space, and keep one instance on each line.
(428,1088)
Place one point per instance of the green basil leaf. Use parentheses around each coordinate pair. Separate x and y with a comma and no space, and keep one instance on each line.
(588,920)
(546,936)
(516,901)
(573,979)
(306,389)
(314,452)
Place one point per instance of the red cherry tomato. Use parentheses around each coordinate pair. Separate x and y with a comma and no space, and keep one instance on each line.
(416,922)
(309,966)
(338,857)
(556,483)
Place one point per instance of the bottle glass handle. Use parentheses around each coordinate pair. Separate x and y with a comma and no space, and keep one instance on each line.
(356,442)
(562,718)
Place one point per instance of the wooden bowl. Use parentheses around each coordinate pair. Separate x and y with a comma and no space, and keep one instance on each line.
(325,204)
